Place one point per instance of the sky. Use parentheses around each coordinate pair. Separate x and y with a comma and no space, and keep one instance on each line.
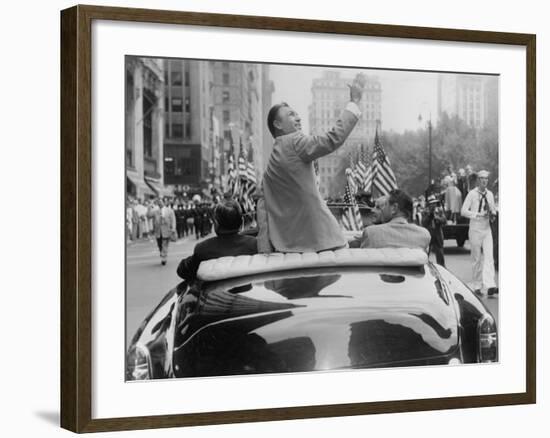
(405,95)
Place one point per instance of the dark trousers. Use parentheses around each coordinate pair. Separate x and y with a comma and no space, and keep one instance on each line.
(437,248)
(198,229)
(162,243)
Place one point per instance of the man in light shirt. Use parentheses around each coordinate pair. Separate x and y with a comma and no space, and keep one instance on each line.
(292,216)
(479,207)
(164,223)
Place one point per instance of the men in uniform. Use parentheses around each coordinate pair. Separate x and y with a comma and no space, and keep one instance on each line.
(479,207)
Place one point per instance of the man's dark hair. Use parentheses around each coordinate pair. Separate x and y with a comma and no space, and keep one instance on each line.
(228,217)
(272,116)
(403,201)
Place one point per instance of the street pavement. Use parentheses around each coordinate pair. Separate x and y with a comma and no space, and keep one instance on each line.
(147,281)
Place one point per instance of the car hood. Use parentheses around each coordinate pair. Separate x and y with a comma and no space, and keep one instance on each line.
(305,321)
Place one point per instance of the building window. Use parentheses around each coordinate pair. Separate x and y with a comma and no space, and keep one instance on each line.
(225,96)
(177,130)
(225,79)
(176,78)
(187,78)
(176,105)
(187,105)
(225,64)
(166,130)
(226,116)
(227,134)
(188,130)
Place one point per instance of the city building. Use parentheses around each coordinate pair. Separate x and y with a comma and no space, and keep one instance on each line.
(473,98)
(237,101)
(330,94)
(268,88)
(144,115)
(190,111)
(190,127)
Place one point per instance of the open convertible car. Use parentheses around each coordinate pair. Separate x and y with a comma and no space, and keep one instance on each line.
(344,309)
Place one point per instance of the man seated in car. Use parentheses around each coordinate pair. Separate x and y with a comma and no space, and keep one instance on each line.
(228,219)
(394,212)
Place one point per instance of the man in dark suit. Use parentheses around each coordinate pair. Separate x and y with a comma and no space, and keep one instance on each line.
(228,219)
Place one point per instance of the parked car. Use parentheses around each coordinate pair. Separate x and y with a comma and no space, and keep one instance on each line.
(458,231)
(344,309)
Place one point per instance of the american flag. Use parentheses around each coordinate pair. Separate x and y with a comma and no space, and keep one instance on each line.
(380,175)
(251,181)
(351,216)
(250,168)
(231,173)
(361,169)
(241,169)
(246,180)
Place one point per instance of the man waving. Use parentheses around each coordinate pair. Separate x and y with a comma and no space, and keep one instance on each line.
(292,216)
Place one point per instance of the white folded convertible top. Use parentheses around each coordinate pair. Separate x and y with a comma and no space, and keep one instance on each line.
(231,267)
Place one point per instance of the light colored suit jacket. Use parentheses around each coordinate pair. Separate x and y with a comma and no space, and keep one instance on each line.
(397,233)
(296,219)
(164,225)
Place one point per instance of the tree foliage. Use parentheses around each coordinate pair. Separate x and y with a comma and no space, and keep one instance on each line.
(454,143)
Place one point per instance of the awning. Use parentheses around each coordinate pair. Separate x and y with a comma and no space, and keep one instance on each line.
(157,187)
(141,187)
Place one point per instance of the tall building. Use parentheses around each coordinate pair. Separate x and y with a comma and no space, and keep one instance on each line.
(237,104)
(144,115)
(190,126)
(268,88)
(330,94)
(473,98)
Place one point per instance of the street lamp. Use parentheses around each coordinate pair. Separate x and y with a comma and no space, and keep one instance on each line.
(430,126)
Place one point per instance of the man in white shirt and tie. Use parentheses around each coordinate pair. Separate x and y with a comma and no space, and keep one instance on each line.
(479,207)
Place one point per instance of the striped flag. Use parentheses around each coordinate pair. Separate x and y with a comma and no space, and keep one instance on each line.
(241,164)
(353,168)
(351,216)
(251,181)
(250,168)
(361,169)
(381,176)
(231,172)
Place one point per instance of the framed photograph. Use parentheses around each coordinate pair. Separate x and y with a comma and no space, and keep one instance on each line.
(268,219)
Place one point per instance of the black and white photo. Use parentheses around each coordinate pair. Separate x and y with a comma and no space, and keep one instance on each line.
(293,218)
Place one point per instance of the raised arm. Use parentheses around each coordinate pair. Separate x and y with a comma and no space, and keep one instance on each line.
(311,147)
